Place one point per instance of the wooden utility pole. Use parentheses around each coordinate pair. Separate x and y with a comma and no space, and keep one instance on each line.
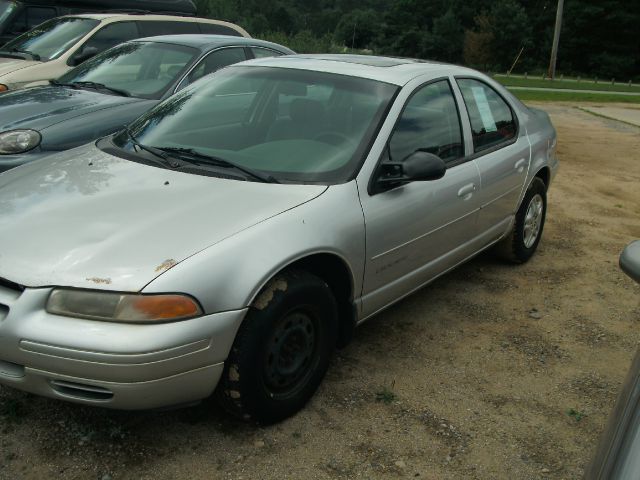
(556,40)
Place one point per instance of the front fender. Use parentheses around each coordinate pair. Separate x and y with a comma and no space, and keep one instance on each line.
(229,275)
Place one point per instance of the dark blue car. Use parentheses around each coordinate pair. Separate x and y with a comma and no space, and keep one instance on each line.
(107,92)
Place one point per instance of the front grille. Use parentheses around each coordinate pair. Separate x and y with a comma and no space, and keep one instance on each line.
(10,285)
(9,293)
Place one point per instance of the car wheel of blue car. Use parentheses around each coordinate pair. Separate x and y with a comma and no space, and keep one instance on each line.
(282,350)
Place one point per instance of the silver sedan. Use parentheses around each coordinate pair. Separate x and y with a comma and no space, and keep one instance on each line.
(229,239)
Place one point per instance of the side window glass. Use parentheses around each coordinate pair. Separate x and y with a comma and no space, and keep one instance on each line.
(38,15)
(153,28)
(259,52)
(215,29)
(19,23)
(212,62)
(429,123)
(112,35)
(491,118)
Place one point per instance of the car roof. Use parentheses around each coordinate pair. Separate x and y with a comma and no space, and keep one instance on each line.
(397,71)
(115,16)
(206,42)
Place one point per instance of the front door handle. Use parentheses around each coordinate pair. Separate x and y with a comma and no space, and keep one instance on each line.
(466,192)
(520,164)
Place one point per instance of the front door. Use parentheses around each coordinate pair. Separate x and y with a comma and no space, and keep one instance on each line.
(417,230)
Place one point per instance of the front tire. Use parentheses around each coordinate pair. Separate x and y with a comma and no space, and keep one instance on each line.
(522,242)
(282,350)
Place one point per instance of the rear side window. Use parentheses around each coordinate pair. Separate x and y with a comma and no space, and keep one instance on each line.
(214,29)
(152,29)
(112,35)
(492,121)
(429,123)
(259,52)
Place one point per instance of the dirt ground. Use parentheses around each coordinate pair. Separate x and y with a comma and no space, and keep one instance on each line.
(493,372)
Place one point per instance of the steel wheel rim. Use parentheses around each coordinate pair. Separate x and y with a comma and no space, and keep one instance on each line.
(290,353)
(533,220)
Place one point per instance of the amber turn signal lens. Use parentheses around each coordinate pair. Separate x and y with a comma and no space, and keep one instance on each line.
(3,88)
(166,307)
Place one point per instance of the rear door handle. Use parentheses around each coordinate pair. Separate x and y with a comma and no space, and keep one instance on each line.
(520,164)
(466,192)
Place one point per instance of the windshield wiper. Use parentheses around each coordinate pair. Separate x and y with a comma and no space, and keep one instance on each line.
(6,54)
(34,56)
(152,150)
(94,85)
(193,156)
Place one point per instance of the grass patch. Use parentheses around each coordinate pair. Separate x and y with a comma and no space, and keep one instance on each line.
(385,395)
(539,96)
(565,84)
(575,414)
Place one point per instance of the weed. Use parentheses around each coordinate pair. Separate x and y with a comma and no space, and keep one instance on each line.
(385,395)
(576,414)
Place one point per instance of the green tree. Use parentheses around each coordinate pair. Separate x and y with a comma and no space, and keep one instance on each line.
(446,40)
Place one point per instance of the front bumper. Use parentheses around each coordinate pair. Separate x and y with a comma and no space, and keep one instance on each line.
(113,365)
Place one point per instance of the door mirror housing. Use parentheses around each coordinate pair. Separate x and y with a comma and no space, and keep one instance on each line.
(83,55)
(418,167)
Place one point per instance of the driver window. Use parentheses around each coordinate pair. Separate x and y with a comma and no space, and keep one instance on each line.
(429,123)
(112,35)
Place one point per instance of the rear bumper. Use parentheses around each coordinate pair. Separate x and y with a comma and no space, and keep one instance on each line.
(112,365)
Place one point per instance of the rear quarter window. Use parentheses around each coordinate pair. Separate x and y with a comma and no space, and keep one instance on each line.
(215,29)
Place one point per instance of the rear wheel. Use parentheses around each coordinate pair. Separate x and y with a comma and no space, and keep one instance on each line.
(282,350)
(522,242)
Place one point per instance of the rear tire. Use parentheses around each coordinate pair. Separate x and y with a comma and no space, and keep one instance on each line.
(522,242)
(282,350)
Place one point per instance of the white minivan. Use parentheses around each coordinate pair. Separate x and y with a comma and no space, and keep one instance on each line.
(57,45)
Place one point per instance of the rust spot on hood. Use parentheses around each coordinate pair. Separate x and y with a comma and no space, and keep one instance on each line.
(166,265)
(105,281)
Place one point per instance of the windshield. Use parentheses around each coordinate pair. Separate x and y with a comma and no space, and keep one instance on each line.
(6,8)
(294,125)
(52,38)
(142,69)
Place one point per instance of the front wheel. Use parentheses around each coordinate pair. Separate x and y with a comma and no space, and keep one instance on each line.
(522,242)
(282,350)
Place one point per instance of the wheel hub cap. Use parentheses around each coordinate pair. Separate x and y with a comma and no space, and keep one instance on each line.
(290,351)
(533,220)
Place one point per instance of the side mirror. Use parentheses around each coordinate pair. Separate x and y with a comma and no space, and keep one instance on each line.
(630,260)
(418,167)
(83,55)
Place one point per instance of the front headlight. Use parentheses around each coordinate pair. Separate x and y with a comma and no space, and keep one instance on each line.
(122,307)
(19,141)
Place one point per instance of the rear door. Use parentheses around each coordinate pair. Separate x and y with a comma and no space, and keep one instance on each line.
(500,149)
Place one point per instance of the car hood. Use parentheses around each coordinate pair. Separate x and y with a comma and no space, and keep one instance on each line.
(86,219)
(10,65)
(41,107)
